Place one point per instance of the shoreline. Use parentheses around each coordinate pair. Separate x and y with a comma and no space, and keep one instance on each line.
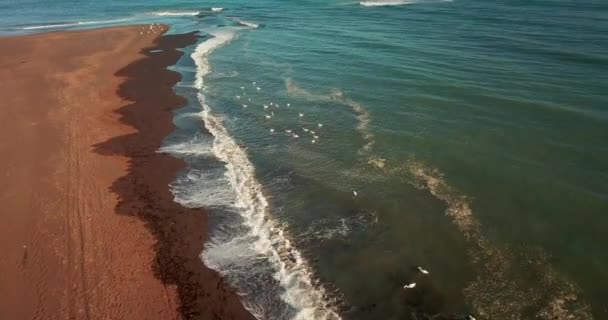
(91,229)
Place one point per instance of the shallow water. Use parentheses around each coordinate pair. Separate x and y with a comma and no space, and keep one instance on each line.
(473,133)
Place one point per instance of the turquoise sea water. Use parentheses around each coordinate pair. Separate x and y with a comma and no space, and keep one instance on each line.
(466,137)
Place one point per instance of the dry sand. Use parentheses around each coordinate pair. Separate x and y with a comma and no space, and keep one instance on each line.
(88,227)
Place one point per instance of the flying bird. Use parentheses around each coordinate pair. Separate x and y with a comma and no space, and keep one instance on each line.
(422,270)
(409,286)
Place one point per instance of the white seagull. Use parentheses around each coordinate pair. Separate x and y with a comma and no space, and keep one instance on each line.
(470,317)
(409,286)
(305,130)
(289,104)
(244,106)
(242,88)
(238,97)
(313,141)
(320,125)
(296,136)
(265,107)
(301,114)
(271,130)
(288,130)
(258,88)
(268,116)
(355,193)
(422,270)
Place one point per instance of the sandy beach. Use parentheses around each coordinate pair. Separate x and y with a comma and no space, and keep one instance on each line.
(89,227)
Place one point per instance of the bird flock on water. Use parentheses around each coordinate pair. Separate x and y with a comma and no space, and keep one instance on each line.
(269,114)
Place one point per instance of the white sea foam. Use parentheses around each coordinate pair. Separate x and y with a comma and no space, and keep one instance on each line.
(238,249)
(386,3)
(176,13)
(244,23)
(383,3)
(73,24)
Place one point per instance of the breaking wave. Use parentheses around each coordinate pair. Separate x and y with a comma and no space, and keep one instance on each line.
(384,3)
(176,13)
(246,245)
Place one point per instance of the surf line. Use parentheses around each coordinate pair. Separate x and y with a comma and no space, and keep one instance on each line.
(307,297)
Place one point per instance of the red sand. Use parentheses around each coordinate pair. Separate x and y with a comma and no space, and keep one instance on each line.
(88,226)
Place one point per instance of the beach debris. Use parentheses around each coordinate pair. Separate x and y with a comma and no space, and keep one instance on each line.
(422,270)
(355,193)
(320,125)
(409,286)
(244,106)
(301,114)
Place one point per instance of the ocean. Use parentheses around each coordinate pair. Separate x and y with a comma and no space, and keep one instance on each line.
(341,145)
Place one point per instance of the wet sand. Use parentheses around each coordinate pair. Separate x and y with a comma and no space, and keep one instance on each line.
(89,228)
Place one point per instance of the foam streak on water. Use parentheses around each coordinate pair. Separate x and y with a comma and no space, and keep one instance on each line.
(496,293)
(239,252)
(363,116)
